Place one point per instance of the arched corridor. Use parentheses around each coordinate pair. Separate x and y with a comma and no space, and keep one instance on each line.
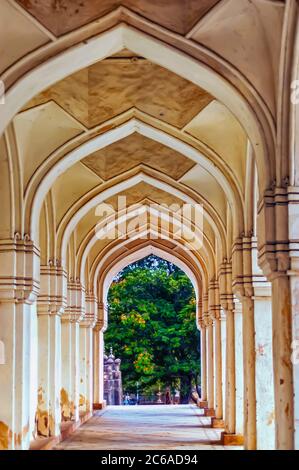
(131,128)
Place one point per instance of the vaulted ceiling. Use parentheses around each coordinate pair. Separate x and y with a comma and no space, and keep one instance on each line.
(126,115)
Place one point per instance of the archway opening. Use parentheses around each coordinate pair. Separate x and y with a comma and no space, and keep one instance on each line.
(152,331)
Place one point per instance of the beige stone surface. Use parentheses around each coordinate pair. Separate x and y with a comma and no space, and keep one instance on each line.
(108,88)
(136,150)
(61,16)
(18,36)
(174,427)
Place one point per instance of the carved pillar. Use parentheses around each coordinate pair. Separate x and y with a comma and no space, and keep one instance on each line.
(293,221)
(252,290)
(210,349)
(278,235)
(264,376)
(294,277)
(230,389)
(249,373)
(223,355)
(19,285)
(86,355)
(98,359)
(283,370)
(203,355)
(242,287)
(227,303)
(218,369)
(238,321)
(74,313)
(215,312)
(210,355)
(50,306)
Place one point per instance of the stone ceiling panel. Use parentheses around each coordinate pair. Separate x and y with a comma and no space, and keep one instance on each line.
(136,150)
(199,179)
(113,86)
(18,35)
(62,16)
(248,35)
(71,94)
(71,185)
(217,127)
(48,127)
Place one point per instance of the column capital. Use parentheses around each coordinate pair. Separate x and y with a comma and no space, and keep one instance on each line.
(214,299)
(222,317)
(75,309)
(208,320)
(244,253)
(52,299)
(101,325)
(225,284)
(199,313)
(91,311)
(278,250)
(19,270)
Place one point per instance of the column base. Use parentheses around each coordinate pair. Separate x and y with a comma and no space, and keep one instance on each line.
(67,428)
(203,404)
(209,412)
(217,423)
(232,439)
(99,406)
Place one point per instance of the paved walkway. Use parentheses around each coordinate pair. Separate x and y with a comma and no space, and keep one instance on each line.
(174,427)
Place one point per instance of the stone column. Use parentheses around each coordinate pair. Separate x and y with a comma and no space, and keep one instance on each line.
(70,382)
(85,360)
(19,275)
(230,388)
(218,420)
(283,370)
(251,288)
(210,351)
(86,355)
(50,306)
(249,373)
(295,350)
(48,415)
(69,397)
(278,251)
(264,381)
(223,355)
(238,320)
(209,410)
(229,437)
(98,379)
(203,363)
(98,359)
(293,212)
(218,369)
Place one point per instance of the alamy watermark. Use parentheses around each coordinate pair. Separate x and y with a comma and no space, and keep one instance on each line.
(155,221)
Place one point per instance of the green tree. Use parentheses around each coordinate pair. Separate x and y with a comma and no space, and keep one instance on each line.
(152,326)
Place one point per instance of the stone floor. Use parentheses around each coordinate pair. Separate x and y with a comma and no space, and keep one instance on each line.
(177,427)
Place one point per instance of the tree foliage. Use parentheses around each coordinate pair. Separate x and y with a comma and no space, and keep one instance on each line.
(152,326)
